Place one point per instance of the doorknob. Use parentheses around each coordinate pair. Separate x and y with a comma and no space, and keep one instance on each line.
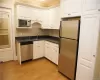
(98,9)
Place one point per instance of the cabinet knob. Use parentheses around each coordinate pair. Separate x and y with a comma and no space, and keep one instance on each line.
(69,14)
(93,55)
(98,9)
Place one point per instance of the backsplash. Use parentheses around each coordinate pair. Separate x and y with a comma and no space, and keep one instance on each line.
(34,31)
(54,33)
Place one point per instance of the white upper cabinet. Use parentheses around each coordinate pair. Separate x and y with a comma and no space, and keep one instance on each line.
(23,12)
(48,18)
(45,19)
(70,8)
(91,6)
(54,18)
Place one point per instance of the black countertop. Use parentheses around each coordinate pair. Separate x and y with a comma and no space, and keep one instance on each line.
(35,38)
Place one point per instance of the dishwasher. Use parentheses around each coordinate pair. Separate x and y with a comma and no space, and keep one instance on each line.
(26,50)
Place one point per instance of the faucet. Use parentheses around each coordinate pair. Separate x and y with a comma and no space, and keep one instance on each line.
(37,36)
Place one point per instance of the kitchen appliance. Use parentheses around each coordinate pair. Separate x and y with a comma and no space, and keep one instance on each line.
(69,36)
(24,23)
(26,50)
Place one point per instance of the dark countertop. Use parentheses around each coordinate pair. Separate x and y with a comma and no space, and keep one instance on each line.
(35,38)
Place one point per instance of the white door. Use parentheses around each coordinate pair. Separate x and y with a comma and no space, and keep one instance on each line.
(6,43)
(87,47)
(90,6)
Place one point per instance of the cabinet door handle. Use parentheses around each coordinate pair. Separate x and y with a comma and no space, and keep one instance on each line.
(69,14)
(93,55)
(98,9)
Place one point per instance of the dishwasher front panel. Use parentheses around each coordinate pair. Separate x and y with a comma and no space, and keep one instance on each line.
(26,52)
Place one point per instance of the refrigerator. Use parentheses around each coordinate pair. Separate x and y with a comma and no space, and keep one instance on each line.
(69,36)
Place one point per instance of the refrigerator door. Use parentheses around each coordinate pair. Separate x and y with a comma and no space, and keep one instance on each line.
(69,29)
(67,58)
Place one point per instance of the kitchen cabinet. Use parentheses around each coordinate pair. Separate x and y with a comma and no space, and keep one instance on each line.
(23,12)
(54,18)
(52,52)
(51,18)
(38,49)
(48,18)
(91,6)
(70,8)
(45,19)
(55,54)
(89,32)
(37,15)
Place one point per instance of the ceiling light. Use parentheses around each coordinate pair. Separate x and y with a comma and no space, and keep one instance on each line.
(42,0)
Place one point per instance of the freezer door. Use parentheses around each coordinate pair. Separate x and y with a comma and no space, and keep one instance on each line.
(67,58)
(69,29)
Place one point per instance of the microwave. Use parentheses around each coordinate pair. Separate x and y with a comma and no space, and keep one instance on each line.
(24,23)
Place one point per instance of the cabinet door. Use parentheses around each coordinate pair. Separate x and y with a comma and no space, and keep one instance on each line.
(65,7)
(87,47)
(48,52)
(71,8)
(23,12)
(54,18)
(55,55)
(91,6)
(45,19)
(76,7)
(34,14)
(38,49)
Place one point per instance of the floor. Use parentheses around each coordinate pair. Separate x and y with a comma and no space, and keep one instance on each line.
(41,69)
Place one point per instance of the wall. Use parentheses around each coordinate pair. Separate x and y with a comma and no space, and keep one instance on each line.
(36,30)
(54,33)
(39,3)
(97,64)
(7,3)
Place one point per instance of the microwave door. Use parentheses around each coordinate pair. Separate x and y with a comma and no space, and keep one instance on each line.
(22,23)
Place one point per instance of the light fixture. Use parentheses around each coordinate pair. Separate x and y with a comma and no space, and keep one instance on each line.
(42,0)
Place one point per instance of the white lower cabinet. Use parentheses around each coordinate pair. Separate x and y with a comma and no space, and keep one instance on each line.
(38,49)
(46,49)
(52,51)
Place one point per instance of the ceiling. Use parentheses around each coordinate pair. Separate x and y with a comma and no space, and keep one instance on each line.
(41,3)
